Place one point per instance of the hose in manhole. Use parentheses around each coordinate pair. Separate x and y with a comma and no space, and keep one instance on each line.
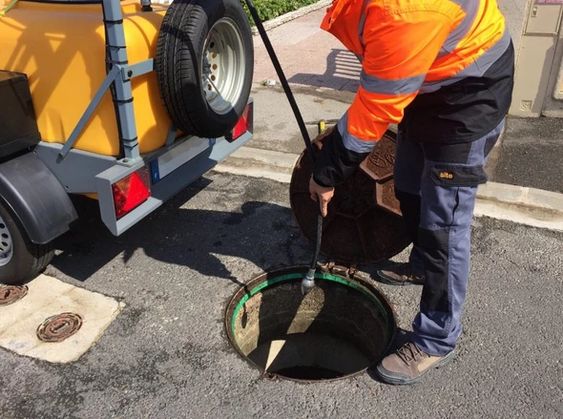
(341,328)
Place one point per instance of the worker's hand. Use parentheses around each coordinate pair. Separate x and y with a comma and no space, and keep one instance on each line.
(318,140)
(321,194)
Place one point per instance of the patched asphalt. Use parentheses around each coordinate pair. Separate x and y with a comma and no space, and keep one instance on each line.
(167,356)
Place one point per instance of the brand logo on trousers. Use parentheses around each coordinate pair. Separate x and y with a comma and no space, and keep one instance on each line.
(446,175)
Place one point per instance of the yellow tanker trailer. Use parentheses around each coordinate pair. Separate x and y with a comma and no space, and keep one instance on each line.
(124,101)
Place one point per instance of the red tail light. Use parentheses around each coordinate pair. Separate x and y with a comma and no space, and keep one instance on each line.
(130,192)
(244,124)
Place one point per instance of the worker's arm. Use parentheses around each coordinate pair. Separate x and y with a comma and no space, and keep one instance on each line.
(399,50)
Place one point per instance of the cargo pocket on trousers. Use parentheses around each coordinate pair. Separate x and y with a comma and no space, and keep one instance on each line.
(447,175)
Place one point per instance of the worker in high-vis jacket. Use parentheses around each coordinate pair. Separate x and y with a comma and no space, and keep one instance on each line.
(442,70)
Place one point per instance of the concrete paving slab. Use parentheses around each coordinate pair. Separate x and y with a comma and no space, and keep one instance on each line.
(48,296)
(308,55)
(275,127)
(260,163)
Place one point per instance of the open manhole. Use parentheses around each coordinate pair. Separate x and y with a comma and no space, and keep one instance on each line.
(342,327)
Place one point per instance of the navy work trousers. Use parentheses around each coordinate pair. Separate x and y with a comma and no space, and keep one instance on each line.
(436,185)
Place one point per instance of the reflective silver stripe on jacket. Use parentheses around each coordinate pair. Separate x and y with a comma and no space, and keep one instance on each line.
(350,142)
(477,69)
(374,84)
(470,7)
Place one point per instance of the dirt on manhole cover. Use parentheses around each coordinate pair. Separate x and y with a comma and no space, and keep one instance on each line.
(341,328)
(9,294)
(59,327)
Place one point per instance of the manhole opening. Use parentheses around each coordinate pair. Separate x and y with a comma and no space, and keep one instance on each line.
(340,328)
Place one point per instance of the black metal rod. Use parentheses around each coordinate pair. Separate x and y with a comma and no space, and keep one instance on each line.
(318,241)
(283,79)
(302,127)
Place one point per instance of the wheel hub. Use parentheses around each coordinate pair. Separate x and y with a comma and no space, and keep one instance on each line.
(222,67)
(6,244)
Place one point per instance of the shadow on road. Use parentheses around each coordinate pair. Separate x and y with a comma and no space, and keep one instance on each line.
(342,73)
(261,232)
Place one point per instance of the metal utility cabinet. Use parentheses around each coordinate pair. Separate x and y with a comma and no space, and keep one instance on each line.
(538,89)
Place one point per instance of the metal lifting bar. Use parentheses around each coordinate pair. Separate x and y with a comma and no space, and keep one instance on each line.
(308,282)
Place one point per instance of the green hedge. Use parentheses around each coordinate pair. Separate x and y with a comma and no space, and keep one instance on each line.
(269,9)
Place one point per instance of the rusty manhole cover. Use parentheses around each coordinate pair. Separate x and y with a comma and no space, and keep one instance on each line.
(9,294)
(363,223)
(59,327)
(381,161)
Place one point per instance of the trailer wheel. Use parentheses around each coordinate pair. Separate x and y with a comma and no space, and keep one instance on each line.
(205,62)
(20,259)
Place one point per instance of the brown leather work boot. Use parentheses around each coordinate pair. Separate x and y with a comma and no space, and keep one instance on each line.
(401,274)
(408,364)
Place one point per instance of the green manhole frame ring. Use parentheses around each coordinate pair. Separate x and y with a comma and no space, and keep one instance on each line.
(277,277)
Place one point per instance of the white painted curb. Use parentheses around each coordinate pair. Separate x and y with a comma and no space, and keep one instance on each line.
(260,163)
(518,204)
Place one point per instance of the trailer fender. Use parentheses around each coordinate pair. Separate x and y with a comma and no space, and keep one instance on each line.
(36,198)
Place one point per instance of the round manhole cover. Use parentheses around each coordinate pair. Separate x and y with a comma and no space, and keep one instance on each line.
(9,294)
(363,225)
(59,327)
(341,328)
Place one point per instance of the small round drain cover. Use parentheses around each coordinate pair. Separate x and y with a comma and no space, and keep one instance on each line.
(59,327)
(9,294)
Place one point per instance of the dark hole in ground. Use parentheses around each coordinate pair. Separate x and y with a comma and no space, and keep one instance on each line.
(303,372)
(340,328)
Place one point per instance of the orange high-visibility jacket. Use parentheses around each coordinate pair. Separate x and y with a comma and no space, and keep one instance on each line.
(408,47)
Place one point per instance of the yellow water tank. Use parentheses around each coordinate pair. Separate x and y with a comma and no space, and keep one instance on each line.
(61,48)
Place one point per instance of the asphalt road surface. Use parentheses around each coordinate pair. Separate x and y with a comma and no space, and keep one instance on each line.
(166,355)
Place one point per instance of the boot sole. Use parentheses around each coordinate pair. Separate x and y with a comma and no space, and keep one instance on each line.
(394,380)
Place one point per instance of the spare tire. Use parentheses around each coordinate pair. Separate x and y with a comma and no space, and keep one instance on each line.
(205,63)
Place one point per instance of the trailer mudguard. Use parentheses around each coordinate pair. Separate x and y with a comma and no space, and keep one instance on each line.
(36,198)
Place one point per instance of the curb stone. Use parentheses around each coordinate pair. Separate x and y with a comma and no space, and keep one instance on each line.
(280,20)
(518,204)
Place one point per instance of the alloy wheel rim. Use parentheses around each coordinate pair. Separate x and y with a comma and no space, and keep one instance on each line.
(223,66)
(6,244)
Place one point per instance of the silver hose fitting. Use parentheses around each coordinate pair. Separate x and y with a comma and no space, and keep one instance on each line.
(308,282)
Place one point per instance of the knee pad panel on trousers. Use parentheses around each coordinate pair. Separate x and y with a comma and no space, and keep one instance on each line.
(410,208)
(434,244)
